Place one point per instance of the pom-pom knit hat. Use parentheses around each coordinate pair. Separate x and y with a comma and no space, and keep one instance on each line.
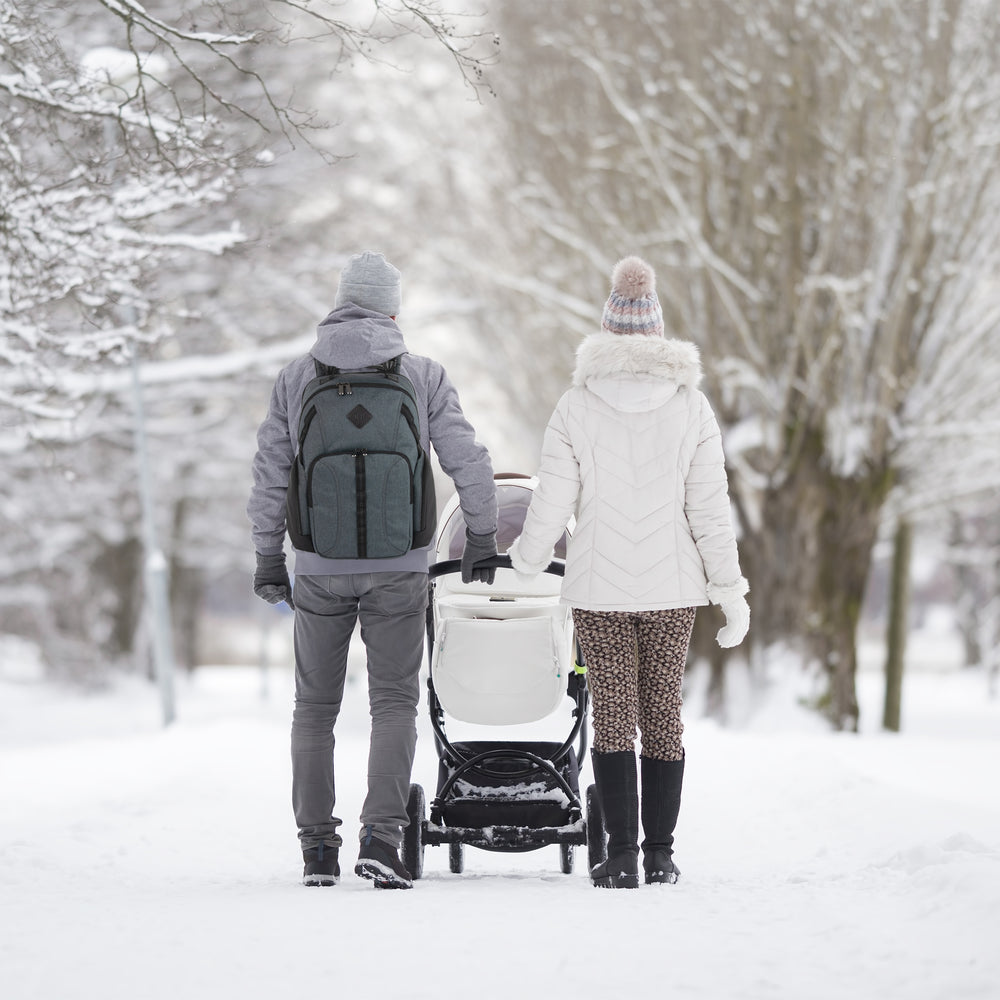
(633,306)
(370,281)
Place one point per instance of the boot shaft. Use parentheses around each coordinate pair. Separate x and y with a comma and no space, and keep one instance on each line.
(617,784)
(662,781)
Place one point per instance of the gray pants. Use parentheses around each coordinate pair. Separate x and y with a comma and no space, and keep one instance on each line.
(392,609)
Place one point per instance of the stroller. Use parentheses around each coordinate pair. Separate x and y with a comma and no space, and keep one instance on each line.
(502,655)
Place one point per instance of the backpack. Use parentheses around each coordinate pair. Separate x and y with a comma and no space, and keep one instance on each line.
(361,485)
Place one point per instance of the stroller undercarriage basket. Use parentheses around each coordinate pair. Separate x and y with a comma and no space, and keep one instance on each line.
(507,799)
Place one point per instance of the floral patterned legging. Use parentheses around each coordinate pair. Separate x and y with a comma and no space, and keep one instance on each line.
(635,667)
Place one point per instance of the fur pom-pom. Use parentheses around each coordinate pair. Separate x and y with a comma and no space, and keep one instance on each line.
(633,278)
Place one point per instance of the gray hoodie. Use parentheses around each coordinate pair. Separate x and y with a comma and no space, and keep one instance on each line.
(350,338)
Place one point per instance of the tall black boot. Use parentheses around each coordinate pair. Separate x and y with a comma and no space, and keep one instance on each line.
(618,794)
(661,804)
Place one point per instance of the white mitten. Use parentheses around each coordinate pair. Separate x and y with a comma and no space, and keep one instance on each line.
(737,623)
(526,572)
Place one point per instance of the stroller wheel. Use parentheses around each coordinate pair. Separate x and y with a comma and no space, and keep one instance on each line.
(566,854)
(413,835)
(456,858)
(597,849)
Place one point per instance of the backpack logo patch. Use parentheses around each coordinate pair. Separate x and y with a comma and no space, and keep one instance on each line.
(359,416)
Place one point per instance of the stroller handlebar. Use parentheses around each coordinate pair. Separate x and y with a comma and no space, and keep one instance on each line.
(556,568)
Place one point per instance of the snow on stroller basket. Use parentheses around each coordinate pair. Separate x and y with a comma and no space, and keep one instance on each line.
(502,656)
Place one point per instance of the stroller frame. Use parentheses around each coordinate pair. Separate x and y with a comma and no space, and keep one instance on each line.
(567,826)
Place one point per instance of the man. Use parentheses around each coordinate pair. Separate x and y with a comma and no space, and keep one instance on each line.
(388,594)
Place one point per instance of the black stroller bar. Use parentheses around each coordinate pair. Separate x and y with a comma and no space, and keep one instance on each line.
(494,562)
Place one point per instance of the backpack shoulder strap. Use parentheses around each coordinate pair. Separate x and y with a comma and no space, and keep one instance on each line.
(323,370)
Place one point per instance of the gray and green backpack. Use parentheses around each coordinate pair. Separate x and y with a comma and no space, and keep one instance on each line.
(361,485)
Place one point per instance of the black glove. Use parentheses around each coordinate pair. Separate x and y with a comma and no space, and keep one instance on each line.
(271,580)
(478,548)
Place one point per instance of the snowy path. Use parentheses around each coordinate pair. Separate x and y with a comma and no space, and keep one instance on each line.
(142,863)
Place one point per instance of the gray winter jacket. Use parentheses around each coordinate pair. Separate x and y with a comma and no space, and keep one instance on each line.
(350,338)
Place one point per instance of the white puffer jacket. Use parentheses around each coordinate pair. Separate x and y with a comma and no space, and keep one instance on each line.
(634,451)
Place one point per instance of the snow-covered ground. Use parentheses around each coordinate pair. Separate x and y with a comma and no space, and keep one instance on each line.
(143,862)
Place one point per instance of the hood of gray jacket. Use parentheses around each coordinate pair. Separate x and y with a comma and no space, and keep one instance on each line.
(635,373)
(352,337)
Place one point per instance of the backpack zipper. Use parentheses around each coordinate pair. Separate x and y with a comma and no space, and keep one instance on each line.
(362,503)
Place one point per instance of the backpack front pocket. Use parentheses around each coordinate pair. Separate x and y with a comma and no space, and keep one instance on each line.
(332,513)
(388,503)
(361,505)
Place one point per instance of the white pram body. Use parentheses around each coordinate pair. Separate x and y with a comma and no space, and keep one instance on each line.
(502,652)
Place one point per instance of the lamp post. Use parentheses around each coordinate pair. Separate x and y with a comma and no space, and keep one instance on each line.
(155,570)
(116,69)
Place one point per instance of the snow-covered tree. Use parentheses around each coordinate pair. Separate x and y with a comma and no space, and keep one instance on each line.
(817,183)
(135,163)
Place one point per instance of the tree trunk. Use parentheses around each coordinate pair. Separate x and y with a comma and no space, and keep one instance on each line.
(899,601)
(187,592)
(119,570)
(970,594)
(186,582)
(808,563)
(848,529)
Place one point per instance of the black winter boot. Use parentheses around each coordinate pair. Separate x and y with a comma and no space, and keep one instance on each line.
(322,865)
(618,794)
(380,862)
(661,804)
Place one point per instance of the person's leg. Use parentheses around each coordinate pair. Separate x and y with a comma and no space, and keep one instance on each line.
(393,622)
(607,639)
(608,643)
(663,640)
(324,623)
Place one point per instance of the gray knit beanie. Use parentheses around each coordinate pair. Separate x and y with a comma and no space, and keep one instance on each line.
(632,306)
(370,281)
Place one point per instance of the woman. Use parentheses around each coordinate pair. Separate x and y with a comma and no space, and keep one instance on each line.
(633,450)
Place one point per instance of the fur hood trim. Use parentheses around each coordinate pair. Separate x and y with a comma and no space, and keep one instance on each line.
(604,355)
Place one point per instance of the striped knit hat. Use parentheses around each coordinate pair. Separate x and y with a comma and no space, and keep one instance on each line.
(632,306)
